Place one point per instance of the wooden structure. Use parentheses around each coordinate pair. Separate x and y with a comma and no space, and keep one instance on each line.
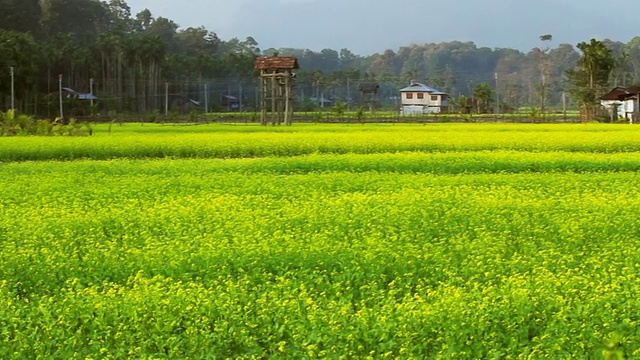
(276,88)
(369,94)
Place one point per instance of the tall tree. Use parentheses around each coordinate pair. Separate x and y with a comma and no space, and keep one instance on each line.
(85,19)
(622,69)
(591,76)
(597,61)
(545,71)
(633,49)
(197,41)
(386,64)
(20,16)
(510,78)
(143,20)
(482,95)
(20,51)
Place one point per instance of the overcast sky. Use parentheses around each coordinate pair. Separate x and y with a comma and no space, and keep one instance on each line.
(372,26)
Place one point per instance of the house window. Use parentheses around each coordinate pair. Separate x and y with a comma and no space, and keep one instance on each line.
(434,97)
(420,95)
(409,95)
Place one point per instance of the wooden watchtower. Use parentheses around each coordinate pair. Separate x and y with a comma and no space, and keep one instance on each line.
(276,88)
(369,94)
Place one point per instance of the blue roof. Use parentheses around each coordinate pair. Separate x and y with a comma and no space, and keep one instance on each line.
(87,96)
(422,88)
(81,96)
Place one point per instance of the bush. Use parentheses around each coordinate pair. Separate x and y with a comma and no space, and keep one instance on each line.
(12,125)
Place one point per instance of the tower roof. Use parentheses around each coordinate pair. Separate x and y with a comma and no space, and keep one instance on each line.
(276,63)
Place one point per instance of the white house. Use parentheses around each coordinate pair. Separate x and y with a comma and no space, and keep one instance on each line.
(623,102)
(419,98)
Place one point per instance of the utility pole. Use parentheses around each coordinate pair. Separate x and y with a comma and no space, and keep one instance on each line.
(206,99)
(166,98)
(497,95)
(564,105)
(13,93)
(60,96)
(348,95)
(91,92)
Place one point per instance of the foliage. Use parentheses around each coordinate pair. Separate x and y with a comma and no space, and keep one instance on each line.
(131,57)
(462,104)
(11,125)
(338,108)
(360,115)
(590,79)
(483,95)
(597,62)
(218,141)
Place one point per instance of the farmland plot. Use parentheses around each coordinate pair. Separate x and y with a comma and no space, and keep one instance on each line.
(463,241)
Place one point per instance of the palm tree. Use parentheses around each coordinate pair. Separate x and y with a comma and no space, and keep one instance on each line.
(152,51)
(591,77)
(597,61)
(483,95)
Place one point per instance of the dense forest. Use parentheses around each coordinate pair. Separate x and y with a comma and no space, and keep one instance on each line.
(137,62)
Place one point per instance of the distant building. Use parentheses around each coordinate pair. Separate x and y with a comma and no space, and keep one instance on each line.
(322,101)
(69,93)
(231,103)
(623,102)
(276,88)
(183,104)
(369,94)
(419,98)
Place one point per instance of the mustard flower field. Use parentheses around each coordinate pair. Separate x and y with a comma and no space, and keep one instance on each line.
(463,241)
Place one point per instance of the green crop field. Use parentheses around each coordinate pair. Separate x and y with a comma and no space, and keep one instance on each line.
(322,241)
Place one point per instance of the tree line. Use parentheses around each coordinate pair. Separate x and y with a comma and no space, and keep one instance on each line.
(135,62)
(130,58)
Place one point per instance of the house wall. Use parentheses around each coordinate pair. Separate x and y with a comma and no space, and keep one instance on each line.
(441,100)
(626,109)
(629,106)
(420,109)
(429,104)
(427,99)
(415,100)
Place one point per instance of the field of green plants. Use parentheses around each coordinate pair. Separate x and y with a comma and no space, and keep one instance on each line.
(322,241)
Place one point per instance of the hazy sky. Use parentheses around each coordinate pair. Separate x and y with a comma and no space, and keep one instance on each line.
(369,26)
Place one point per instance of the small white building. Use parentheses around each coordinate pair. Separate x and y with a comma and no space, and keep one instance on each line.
(623,102)
(420,99)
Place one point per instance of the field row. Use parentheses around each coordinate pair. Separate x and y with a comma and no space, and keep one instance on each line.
(469,162)
(220,141)
(236,258)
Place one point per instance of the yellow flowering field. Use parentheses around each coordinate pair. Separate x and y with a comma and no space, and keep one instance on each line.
(342,242)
